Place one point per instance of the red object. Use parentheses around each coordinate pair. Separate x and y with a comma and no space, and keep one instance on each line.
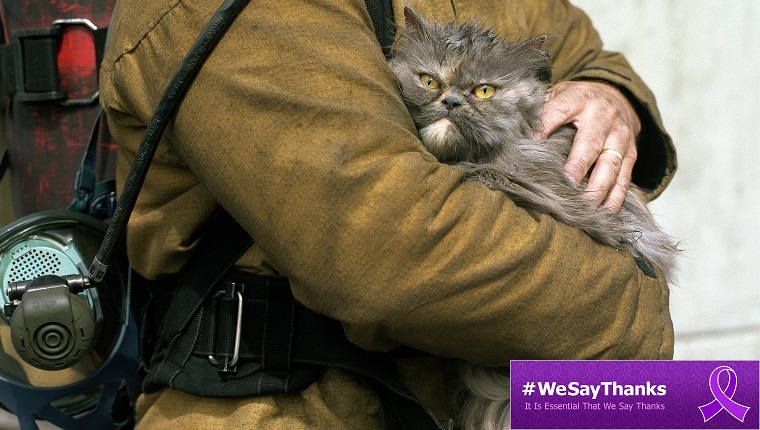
(46,140)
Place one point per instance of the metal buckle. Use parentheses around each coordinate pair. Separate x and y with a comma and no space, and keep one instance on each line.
(228,365)
(80,101)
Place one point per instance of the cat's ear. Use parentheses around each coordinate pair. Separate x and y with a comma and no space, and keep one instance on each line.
(536,42)
(544,69)
(413,21)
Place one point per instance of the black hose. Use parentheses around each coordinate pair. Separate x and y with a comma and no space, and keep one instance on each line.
(166,107)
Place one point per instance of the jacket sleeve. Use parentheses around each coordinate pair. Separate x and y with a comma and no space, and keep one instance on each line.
(577,53)
(296,127)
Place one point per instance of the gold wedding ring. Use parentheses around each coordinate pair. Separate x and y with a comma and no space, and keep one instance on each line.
(613,152)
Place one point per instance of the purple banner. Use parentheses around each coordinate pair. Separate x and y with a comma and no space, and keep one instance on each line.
(635,394)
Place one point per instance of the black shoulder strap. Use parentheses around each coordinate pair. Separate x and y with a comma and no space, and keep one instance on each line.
(381,13)
(224,242)
(4,162)
(97,199)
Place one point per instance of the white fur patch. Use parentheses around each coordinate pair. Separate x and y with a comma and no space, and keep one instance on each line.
(434,135)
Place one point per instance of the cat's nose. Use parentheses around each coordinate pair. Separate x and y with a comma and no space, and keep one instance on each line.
(452,100)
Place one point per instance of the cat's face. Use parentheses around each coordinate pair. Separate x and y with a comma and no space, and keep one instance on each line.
(467,90)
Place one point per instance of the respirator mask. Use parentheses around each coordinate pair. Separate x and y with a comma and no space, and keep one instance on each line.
(66,345)
(44,259)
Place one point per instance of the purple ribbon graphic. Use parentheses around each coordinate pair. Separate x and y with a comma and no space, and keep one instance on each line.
(723,401)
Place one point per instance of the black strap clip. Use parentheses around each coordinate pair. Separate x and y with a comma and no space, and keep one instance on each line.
(30,63)
(228,346)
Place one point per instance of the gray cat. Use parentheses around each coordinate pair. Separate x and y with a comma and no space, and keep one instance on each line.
(476,100)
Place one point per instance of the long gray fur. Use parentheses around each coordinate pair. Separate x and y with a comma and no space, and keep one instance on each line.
(492,139)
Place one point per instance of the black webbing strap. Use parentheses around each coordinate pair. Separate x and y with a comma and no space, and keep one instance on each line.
(277,344)
(96,199)
(5,162)
(100,38)
(84,185)
(29,62)
(381,13)
(282,333)
(223,243)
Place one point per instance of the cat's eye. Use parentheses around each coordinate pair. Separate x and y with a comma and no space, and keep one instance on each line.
(429,81)
(484,91)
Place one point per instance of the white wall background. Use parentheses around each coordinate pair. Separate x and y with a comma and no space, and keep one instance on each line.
(701,58)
